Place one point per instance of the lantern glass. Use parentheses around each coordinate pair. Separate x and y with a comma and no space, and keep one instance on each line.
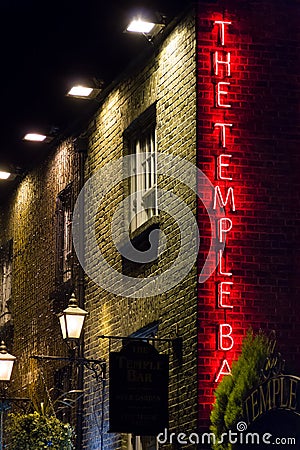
(71,325)
(63,326)
(72,320)
(6,363)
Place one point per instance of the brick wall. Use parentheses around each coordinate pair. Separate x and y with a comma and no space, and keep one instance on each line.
(262,249)
(168,78)
(29,219)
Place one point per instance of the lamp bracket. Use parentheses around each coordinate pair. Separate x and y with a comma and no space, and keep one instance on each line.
(97,366)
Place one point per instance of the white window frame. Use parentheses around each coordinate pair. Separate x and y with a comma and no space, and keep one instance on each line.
(64,235)
(143,182)
(67,243)
(6,281)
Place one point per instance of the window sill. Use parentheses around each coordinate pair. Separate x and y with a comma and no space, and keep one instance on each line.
(143,230)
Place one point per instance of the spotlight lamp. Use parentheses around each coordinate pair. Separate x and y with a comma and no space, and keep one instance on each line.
(147,28)
(85,92)
(140,26)
(34,137)
(4,175)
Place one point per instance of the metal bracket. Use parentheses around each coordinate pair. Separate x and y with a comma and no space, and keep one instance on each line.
(97,366)
(176,342)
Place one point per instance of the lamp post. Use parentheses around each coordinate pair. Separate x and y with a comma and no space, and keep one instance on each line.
(6,367)
(71,323)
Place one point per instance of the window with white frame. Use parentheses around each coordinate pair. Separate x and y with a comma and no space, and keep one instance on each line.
(143,182)
(6,277)
(64,235)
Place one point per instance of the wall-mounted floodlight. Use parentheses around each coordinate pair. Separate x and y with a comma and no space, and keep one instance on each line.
(4,175)
(34,137)
(147,28)
(37,137)
(80,91)
(140,26)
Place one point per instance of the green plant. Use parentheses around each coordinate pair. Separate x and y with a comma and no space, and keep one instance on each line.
(229,395)
(36,431)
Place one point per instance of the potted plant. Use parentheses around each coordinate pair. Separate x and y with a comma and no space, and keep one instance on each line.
(38,430)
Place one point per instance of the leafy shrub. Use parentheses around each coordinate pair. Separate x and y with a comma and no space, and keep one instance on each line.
(231,391)
(37,431)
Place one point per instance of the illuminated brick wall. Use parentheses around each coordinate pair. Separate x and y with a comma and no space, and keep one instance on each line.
(168,78)
(29,219)
(259,98)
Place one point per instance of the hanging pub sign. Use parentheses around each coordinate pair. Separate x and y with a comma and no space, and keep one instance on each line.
(281,392)
(138,389)
(275,392)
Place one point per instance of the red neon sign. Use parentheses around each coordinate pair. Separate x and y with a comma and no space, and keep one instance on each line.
(226,341)
(220,165)
(219,62)
(220,265)
(222,24)
(222,291)
(222,127)
(223,195)
(220,92)
(224,370)
(230,195)
(223,228)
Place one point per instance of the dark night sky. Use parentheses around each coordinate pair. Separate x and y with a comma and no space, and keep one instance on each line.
(48,45)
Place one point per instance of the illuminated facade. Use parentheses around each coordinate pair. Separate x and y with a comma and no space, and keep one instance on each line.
(219,91)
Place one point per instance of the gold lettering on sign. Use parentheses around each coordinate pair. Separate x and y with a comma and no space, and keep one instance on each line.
(281,393)
(282,404)
(293,394)
(255,411)
(276,390)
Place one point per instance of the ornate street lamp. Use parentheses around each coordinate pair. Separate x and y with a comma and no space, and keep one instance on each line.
(71,323)
(72,320)
(6,363)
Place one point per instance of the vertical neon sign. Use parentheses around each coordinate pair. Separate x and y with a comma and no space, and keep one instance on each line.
(222,71)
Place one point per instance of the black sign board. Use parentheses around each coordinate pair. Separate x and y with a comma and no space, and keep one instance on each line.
(281,392)
(138,390)
(277,394)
